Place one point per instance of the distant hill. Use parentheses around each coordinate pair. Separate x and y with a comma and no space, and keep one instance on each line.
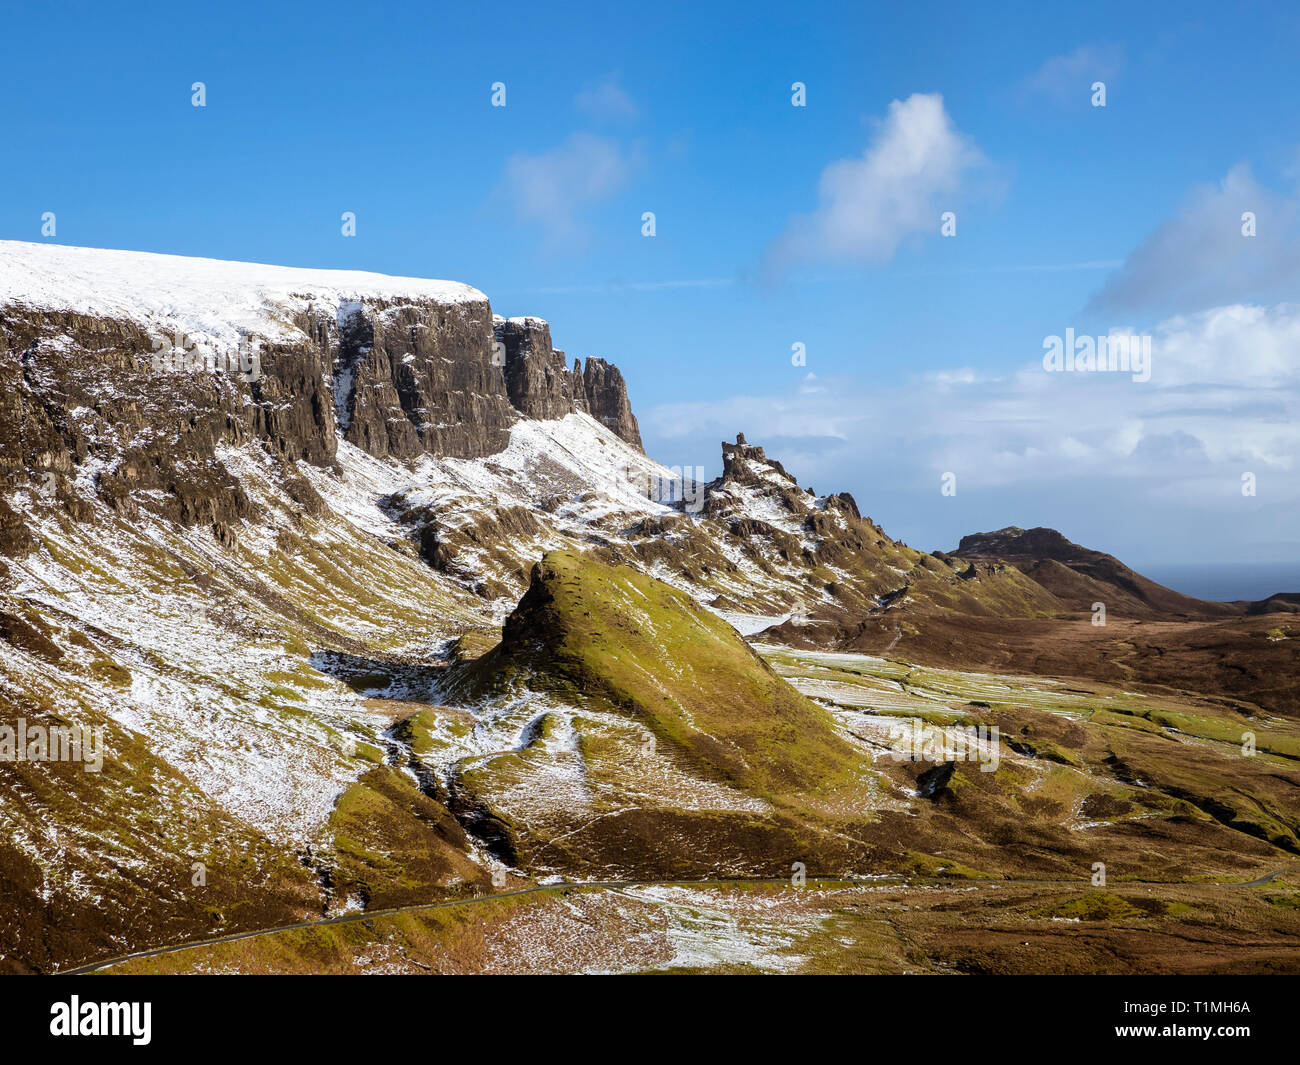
(1080,576)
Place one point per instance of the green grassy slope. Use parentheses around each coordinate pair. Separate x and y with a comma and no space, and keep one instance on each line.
(597,630)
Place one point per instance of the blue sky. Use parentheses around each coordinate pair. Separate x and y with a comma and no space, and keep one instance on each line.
(774,224)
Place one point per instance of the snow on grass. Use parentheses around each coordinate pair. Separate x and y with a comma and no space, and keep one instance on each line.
(751,624)
(200,697)
(708,928)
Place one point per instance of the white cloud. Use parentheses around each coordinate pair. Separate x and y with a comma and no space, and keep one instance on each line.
(607,102)
(899,187)
(1069,77)
(551,189)
(1098,455)
(1238,346)
(1200,257)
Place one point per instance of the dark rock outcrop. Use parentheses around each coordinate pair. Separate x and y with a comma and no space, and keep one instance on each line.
(85,402)
(538,381)
(418,378)
(579,387)
(848,503)
(607,400)
(736,460)
(934,781)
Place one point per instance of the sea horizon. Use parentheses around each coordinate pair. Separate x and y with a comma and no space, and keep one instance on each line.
(1227,582)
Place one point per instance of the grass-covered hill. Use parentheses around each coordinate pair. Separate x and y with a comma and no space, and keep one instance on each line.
(590,631)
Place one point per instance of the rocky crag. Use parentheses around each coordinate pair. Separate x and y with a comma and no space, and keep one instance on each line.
(540,385)
(98,353)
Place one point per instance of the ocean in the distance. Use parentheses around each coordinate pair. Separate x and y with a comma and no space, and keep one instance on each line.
(1225,582)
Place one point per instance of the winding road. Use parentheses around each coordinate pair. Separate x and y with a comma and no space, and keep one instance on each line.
(615,885)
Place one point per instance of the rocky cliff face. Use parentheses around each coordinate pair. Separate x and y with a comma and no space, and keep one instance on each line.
(538,381)
(540,385)
(121,373)
(607,400)
(418,377)
(84,409)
